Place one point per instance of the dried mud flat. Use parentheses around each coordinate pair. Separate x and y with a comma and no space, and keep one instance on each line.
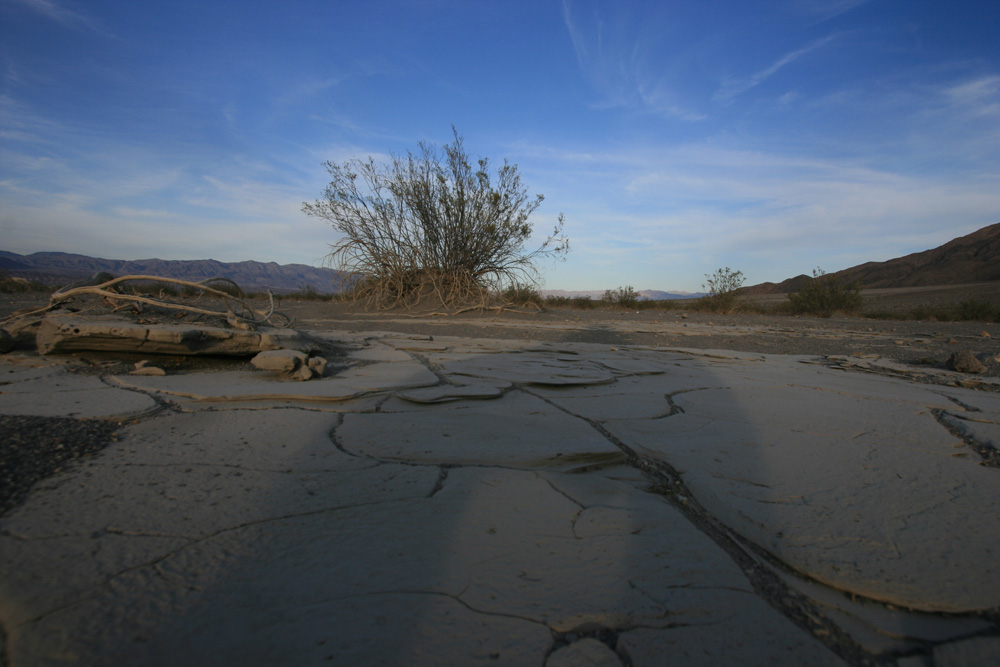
(918,343)
(556,488)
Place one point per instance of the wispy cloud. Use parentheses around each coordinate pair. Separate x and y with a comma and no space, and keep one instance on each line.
(734,87)
(60,14)
(768,213)
(980,96)
(824,10)
(617,56)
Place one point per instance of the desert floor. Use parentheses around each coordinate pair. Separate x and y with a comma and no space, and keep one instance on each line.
(525,488)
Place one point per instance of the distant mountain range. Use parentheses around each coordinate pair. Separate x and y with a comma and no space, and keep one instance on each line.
(60,268)
(974,258)
(651,294)
(968,259)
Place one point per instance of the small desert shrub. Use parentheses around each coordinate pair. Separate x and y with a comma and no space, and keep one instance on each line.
(623,297)
(521,295)
(979,311)
(824,295)
(583,303)
(722,286)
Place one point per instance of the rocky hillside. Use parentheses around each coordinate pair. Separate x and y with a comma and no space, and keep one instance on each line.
(974,258)
(59,268)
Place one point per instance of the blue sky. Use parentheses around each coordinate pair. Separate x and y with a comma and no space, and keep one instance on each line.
(676,137)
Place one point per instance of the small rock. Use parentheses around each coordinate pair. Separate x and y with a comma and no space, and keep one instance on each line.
(6,342)
(584,652)
(952,341)
(280,361)
(302,373)
(984,334)
(147,370)
(318,366)
(964,361)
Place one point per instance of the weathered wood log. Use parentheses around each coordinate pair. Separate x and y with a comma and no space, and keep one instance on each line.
(60,333)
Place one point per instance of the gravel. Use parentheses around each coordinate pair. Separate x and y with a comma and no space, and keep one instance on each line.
(33,448)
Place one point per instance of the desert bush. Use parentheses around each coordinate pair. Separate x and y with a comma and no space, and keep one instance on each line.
(722,286)
(979,311)
(520,295)
(583,302)
(824,295)
(623,297)
(432,226)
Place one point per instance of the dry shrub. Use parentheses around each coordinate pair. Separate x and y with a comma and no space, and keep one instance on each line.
(825,294)
(432,228)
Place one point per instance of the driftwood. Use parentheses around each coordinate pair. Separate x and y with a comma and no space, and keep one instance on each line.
(245,319)
(68,332)
(239,328)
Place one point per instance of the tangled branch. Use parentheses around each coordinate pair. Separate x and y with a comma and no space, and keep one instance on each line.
(239,312)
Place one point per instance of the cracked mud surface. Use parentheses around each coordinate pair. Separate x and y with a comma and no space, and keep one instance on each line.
(462,500)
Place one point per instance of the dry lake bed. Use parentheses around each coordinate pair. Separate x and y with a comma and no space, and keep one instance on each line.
(551,490)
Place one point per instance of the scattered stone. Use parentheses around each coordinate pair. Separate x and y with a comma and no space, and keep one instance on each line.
(964,361)
(293,364)
(302,373)
(984,334)
(6,342)
(144,368)
(279,361)
(318,366)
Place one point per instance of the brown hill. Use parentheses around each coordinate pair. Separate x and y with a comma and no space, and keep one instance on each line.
(968,259)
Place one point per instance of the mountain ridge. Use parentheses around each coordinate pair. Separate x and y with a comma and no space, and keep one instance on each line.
(60,268)
(973,258)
